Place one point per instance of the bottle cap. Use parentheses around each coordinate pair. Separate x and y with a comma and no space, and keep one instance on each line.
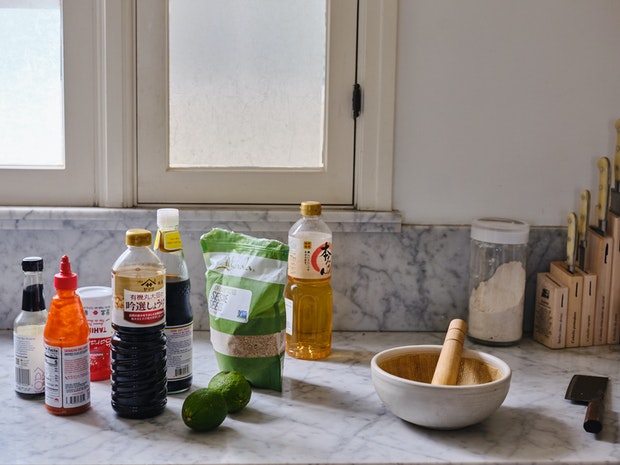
(32,264)
(138,237)
(310,208)
(66,279)
(167,218)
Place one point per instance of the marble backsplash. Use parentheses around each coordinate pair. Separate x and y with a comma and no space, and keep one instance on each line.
(387,276)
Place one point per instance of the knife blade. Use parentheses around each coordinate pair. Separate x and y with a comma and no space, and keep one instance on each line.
(603,194)
(614,203)
(571,241)
(589,390)
(582,228)
(617,158)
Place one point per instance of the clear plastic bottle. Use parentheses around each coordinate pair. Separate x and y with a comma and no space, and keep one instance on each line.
(308,292)
(179,316)
(138,341)
(67,357)
(28,327)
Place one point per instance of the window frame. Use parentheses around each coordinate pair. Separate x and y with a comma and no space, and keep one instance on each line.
(72,185)
(157,183)
(107,132)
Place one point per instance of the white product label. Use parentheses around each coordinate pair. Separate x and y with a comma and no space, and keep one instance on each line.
(310,256)
(99,320)
(29,349)
(230,303)
(67,376)
(288,304)
(179,351)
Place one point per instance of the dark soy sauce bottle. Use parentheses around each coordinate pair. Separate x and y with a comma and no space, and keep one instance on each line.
(138,346)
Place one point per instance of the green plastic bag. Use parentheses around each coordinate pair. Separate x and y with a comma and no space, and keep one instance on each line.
(245,279)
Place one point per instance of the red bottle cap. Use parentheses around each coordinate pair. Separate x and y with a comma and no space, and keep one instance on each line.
(65,280)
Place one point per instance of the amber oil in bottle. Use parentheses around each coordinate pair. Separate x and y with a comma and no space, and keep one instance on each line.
(308,293)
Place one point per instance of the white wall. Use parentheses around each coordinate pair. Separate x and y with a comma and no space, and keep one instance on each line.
(503,107)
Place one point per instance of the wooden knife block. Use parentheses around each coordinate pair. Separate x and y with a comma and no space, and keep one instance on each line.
(613,333)
(588,304)
(574,283)
(599,262)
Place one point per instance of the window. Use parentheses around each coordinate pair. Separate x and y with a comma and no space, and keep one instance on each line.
(31,100)
(108,160)
(67,180)
(254,78)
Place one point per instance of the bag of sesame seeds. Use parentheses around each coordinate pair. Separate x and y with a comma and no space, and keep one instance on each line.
(245,282)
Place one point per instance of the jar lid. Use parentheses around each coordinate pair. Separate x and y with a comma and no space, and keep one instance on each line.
(500,231)
(94,292)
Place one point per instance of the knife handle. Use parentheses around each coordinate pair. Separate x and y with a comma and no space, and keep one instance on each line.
(593,422)
(584,214)
(571,241)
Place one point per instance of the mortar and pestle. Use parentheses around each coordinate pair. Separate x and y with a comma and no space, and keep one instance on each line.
(441,387)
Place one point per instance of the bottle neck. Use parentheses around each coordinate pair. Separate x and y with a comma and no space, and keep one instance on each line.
(65,293)
(32,295)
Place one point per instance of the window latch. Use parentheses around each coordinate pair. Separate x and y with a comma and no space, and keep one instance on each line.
(357,100)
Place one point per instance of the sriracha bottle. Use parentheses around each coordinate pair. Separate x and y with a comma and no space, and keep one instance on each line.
(67,356)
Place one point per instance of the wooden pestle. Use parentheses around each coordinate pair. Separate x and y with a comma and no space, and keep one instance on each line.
(447,369)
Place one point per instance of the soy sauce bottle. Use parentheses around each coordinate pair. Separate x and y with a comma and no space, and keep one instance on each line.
(138,346)
(179,316)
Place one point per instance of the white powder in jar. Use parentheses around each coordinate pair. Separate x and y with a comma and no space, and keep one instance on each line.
(496,305)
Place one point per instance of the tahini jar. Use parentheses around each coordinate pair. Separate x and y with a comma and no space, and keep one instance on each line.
(498,249)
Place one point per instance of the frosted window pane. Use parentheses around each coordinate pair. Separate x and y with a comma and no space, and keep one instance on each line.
(31,97)
(246,83)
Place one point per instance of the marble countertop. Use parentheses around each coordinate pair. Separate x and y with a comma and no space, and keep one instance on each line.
(329,412)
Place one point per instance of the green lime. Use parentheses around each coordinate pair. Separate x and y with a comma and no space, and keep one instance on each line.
(204,409)
(234,387)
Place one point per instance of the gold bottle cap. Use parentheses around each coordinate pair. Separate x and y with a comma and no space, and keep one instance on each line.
(310,208)
(138,237)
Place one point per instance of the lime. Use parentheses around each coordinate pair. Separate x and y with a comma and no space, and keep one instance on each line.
(204,409)
(234,387)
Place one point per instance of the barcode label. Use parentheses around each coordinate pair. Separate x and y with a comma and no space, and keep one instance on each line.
(72,400)
(182,371)
(22,376)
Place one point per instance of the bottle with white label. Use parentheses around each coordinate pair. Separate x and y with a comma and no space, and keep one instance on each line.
(179,317)
(67,355)
(138,341)
(308,292)
(28,327)
(97,303)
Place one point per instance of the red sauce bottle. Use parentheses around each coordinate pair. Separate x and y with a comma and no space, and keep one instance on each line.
(67,356)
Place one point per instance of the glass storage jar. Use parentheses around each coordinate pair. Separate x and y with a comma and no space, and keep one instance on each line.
(498,249)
